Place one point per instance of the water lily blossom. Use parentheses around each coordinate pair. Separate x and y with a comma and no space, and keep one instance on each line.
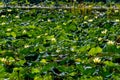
(117,20)
(96,60)
(3,59)
(24,31)
(3,16)
(26,46)
(96,17)
(99,39)
(9,10)
(116,11)
(72,49)
(90,20)
(3,23)
(58,50)
(9,29)
(17,17)
(49,20)
(38,36)
(110,42)
(104,32)
(53,39)
(85,22)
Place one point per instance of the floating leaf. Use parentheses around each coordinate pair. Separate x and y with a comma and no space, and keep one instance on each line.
(35,70)
(84,48)
(98,50)
(109,63)
(43,61)
(94,51)
(13,34)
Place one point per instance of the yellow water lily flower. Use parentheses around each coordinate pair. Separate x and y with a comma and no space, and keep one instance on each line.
(3,16)
(9,29)
(97,60)
(104,32)
(17,17)
(26,46)
(110,42)
(99,39)
(3,23)
(9,10)
(90,20)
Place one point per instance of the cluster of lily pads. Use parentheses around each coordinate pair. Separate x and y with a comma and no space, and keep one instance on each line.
(59,45)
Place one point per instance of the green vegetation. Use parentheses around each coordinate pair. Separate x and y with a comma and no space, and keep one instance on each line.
(59,44)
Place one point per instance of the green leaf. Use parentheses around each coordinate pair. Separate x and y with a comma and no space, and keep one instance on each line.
(109,63)
(72,74)
(111,48)
(21,62)
(98,50)
(84,48)
(2,72)
(32,26)
(94,51)
(35,70)
(13,34)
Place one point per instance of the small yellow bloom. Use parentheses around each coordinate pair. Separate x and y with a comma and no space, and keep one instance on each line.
(3,59)
(9,10)
(104,32)
(117,20)
(49,20)
(58,50)
(26,46)
(24,31)
(53,39)
(116,11)
(85,22)
(17,17)
(90,20)
(3,23)
(96,17)
(72,49)
(99,39)
(2,16)
(110,42)
(9,29)
(46,34)
(38,36)
(96,60)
